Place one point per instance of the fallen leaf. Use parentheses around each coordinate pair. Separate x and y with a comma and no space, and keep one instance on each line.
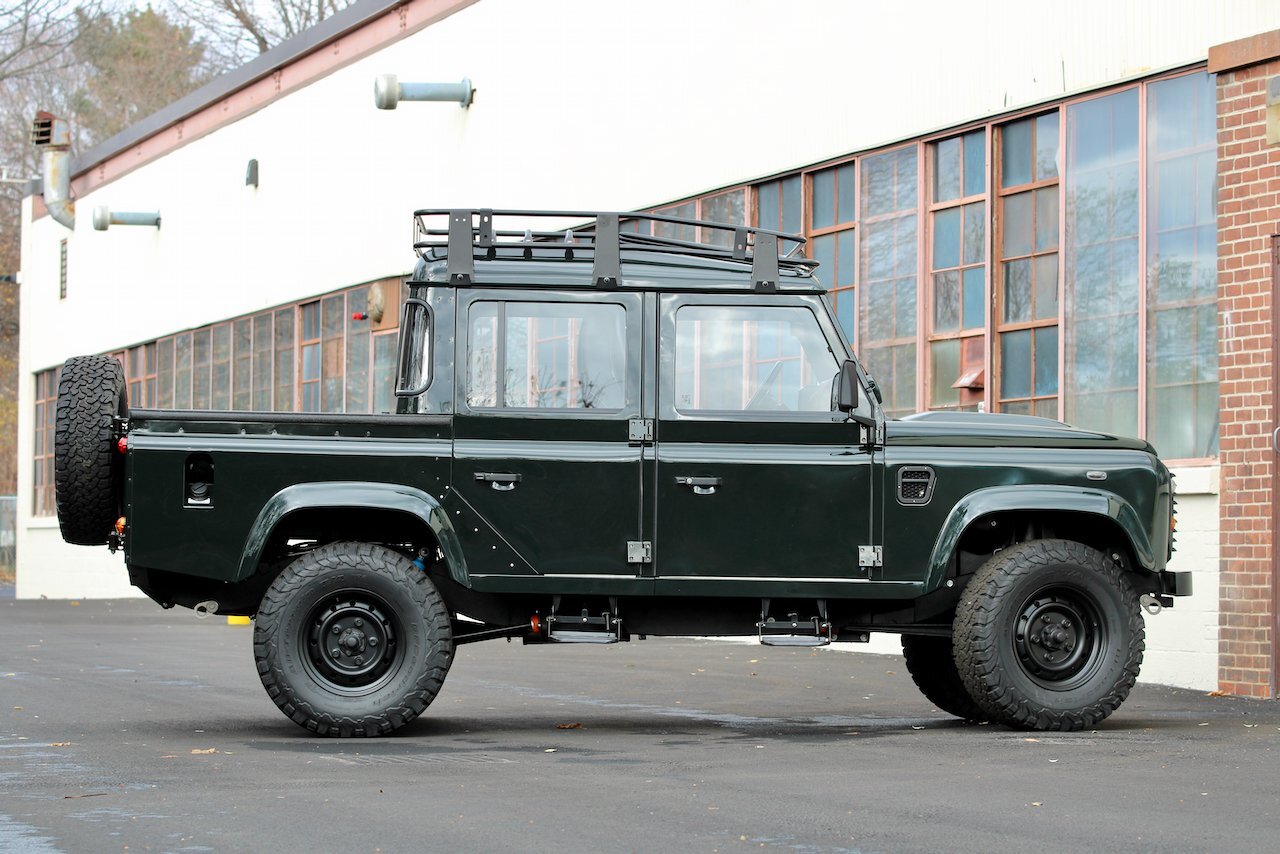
(17,708)
(85,795)
(549,750)
(1053,760)
(1216,694)
(574,725)
(1204,724)
(59,744)
(205,752)
(913,726)
(752,661)
(170,756)
(1031,739)
(1037,803)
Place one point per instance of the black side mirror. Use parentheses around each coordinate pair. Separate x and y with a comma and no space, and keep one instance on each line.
(847,391)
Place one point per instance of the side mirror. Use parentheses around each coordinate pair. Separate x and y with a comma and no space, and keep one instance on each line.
(847,388)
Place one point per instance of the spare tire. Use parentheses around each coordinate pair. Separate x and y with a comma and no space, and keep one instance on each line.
(87,470)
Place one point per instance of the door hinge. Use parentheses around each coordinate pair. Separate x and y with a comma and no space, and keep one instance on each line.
(869,556)
(639,551)
(640,431)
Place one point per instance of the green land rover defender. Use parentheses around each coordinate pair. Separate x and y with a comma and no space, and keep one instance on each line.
(620,425)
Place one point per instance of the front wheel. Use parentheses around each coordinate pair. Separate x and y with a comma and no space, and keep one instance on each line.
(352,640)
(1049,636)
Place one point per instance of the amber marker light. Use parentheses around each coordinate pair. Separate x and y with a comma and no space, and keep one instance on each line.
(535,624)
(120,526)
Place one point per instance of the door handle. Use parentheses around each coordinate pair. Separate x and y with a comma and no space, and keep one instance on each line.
(701,485)
(1275,439)
(500,481)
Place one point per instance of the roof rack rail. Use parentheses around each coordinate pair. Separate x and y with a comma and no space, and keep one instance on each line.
(468,235)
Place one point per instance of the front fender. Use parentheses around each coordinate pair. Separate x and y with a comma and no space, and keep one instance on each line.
(1071,499)
(364,495)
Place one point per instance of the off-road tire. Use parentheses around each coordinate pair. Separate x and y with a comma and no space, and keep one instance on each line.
(87,468)
(1070,680)
(331,588)
(932,666)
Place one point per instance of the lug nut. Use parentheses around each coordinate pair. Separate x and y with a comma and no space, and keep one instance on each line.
(1035,639)
(336,652)
(359,622)
(337,630)
(359,659)
(373,641)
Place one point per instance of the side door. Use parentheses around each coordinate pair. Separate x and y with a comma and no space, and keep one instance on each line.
(546,387)
(757,478)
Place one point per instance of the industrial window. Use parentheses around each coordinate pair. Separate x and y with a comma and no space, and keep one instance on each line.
(764,360)
(201,389)
(242,364)
(385,345)
(888,263)
(958,280)
(778,205)
(46,404)
(221,367)
(62,268)
(262,362)
(356,367)
(833,211)
(285,321)
(546,356)
(140,368)
(1181,265)
(309,357)
(1027,242)
(1102,288)
(729,207)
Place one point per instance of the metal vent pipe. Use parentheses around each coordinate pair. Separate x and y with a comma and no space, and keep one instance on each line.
(52,136)
(104,218)
(388,91)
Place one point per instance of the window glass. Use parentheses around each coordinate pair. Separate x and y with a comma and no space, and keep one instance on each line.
(1101,187)
(1182,276)
(752,359)
(164,373)
(284,360)
(332,326)
(727,207)
(242,374)
(546,356)
(385,346)
(357,355)
(200,390)
(262,358)
(888,265)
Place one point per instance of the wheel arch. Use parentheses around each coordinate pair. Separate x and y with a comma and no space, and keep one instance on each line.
(1109,521)
(343,508)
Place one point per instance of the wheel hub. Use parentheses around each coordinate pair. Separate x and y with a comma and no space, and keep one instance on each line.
(351,640)
(1057,637)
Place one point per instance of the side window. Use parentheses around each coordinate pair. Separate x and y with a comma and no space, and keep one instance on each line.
(526,355)
(752,359)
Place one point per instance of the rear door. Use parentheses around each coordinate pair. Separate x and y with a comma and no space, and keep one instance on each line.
(758,479)
(547,386)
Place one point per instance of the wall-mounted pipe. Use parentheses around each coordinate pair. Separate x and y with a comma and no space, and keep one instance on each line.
(52,136)
(104,218)
(388,91)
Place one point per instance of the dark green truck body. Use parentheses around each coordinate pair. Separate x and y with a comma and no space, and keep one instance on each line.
(603,435)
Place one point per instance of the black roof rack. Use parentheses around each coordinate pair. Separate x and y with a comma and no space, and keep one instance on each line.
(468,235)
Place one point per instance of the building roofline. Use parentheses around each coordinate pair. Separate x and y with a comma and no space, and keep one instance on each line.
(295,47)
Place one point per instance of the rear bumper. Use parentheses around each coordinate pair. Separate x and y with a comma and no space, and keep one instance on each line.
(1175,583)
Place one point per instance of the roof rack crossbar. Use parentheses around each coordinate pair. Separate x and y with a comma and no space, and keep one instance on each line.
(474,233)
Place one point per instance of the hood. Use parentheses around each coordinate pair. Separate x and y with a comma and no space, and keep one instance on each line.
(997,429)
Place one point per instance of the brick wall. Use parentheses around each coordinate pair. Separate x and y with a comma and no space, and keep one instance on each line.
(1248,216)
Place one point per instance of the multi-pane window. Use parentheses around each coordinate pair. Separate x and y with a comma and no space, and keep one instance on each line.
(1102,269)
(1027,292)
(958,280)
(526,355)
(309,357)
(46,404)
(778,205)
(833,211)
(752,359)
(1182,280)
(887,319)
(140,368)
(728,207)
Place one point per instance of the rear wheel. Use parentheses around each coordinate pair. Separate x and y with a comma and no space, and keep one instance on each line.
(87,470)
(933,668)
(1049,636)
(352,640)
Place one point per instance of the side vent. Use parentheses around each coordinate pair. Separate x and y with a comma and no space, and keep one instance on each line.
(915,484)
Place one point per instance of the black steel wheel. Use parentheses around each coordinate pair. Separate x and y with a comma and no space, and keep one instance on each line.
(351,639)
(932,666)
(87,469)
(1048,635)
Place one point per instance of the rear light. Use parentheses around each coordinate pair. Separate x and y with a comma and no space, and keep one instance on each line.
(535,624)
(120,523)
(122,444)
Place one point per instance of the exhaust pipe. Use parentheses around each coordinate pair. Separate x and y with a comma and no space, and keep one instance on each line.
(204,609)
(52,136)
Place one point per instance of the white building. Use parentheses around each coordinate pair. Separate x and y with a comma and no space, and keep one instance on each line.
(845,120)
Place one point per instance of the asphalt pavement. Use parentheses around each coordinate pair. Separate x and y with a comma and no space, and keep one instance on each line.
(124,727)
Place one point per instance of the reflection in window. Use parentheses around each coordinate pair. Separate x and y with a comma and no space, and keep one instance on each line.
(959,272)
(1182,279)
(778,205)
(731,208)
(1101,288)
(1027,315)
(832,212)
(309,357)
(757,359)
(887,320)
(46,405)
(546,356)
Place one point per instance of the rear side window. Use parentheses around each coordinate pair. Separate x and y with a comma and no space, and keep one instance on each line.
(752,359)
(533,355)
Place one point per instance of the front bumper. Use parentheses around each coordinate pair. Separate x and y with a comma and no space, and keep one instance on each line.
(1175,583)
